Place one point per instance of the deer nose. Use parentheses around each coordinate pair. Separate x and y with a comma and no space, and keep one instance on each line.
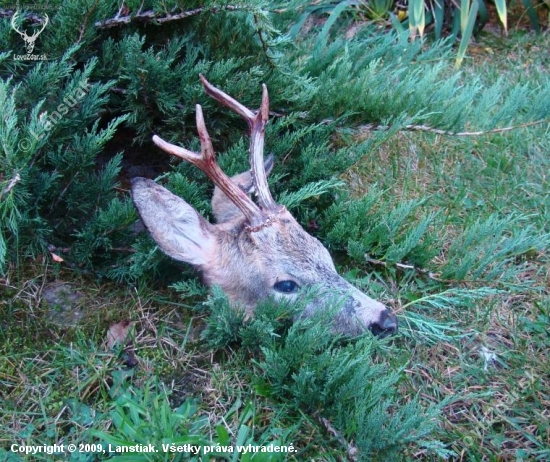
(386,325)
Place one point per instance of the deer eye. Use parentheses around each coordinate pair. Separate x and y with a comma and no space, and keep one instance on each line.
(286,287)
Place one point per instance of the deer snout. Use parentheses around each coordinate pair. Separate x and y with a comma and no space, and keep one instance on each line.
(386,325)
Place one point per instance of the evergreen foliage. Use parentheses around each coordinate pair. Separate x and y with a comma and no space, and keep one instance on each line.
(64,180)
(148,78)
(325,375)
(51,140)
(366,226)
(435,19)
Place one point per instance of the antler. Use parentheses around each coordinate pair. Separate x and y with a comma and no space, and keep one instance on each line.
(24,34)
(46,21)
(258,217)
(13,19)
(256,123)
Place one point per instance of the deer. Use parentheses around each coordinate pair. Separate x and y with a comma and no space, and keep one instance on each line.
(29,40)
(255,249)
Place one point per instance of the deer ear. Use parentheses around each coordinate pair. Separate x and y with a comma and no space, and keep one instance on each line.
(176,227)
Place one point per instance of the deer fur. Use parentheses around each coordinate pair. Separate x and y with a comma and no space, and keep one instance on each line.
(254,251)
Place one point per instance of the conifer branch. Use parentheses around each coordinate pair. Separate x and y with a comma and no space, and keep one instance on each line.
(262,40)
(437,131)
(33,18)
(350,448)
(152,16)
(85,22)
(16,179)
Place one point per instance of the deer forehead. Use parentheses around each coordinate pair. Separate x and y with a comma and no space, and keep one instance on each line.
(285,248)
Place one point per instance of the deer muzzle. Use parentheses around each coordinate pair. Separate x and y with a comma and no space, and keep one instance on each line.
(387,325)
(361,313)
(355,311)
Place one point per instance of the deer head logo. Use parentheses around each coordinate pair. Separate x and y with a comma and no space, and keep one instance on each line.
(29,40)
(255,250)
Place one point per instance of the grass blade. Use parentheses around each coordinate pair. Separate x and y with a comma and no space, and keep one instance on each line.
(396,24)
(417,18)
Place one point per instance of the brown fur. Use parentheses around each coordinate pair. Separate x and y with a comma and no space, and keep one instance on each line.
(247,265)
(256,250)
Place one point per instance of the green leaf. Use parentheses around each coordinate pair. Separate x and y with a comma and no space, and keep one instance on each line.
(439,16)
(334,15)
(396,24)
(468,20)
(417,18)
(295,29)
(483,16)
(223,436)
(292,199)
(532,14)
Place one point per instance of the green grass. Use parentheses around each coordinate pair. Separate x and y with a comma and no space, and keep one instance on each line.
(496,185)
(474,320)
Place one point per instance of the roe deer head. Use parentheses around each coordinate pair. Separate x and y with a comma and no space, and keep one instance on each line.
(254,250)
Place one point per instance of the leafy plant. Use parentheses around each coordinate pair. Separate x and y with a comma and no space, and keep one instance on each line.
(144,416)
(378,9)
(48,163)
(460,20)
(428,185)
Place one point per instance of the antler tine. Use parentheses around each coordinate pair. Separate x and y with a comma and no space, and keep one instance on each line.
(13,19)
(46,21)
(256,123)
(206,161)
